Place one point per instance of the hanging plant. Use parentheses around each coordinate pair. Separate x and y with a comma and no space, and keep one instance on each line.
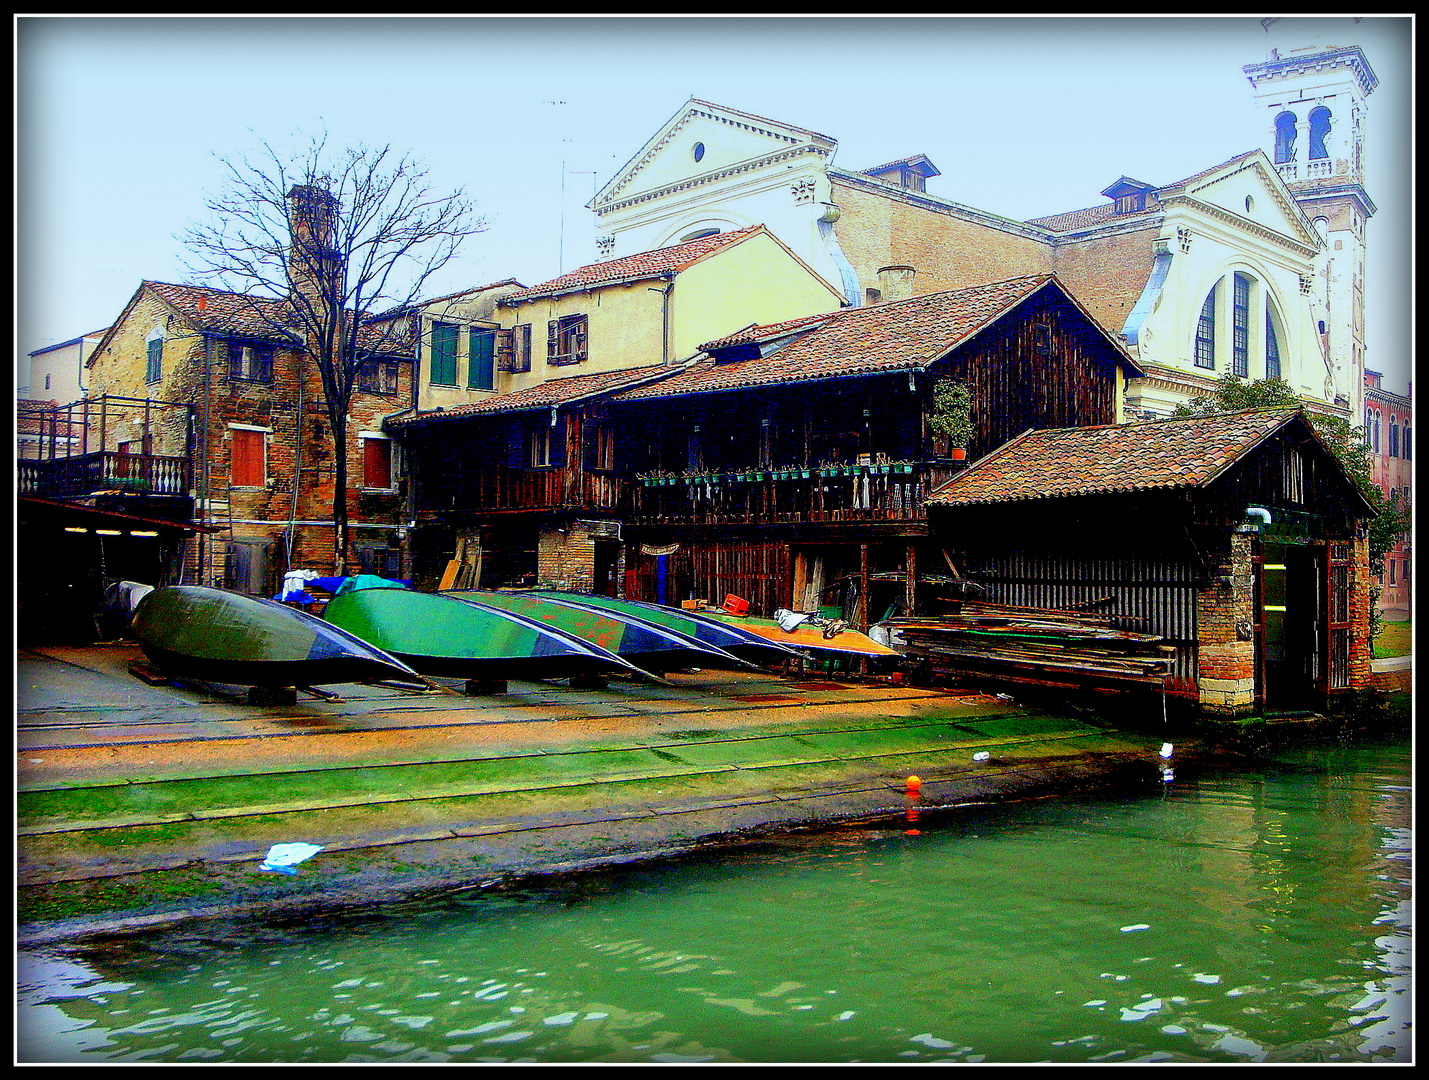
(951,417)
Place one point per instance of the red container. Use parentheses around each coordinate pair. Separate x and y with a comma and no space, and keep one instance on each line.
(734,605)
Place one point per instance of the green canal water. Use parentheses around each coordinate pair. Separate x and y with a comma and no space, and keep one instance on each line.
(1259,914)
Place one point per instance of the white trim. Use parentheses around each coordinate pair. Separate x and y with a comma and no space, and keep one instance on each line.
(250,427)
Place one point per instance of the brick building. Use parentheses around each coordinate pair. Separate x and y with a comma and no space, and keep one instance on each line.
(1389,431)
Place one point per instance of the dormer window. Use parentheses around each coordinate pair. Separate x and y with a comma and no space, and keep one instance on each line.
(1128,196)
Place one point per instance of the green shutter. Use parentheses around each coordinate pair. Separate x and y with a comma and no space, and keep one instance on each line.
(481,360)
(444,336)
(155,368)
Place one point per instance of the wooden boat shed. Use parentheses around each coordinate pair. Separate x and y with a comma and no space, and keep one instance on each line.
(1239,537)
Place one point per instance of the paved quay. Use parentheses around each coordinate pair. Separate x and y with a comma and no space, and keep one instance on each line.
(141,804)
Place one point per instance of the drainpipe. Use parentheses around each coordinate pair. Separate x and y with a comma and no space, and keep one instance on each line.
(669,280)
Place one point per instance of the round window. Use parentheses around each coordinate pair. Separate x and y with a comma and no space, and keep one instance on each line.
(1249,204)
(699,151)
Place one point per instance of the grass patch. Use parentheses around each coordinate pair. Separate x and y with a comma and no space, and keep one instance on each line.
(1394,639)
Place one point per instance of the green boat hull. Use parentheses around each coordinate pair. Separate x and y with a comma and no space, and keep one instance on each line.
(214,635)
(447,636)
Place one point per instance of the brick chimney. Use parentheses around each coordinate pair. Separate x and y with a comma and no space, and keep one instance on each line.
(895,283)
(313,258)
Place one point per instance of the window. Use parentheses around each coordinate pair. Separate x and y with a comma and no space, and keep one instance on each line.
(1042,338)
(698,151)
(538,446)
(1206,331)
(1284,138)
(1391,563)
(377,376)
(514,349)
(249,449)
(566,340)
(481,359)
(1393,437)
(444,338)
(1240,326)
(377,462)
(252,362)
(1319,131)
(154,368)
(599,445)
(1272,347)
(1408,442)
(47,382)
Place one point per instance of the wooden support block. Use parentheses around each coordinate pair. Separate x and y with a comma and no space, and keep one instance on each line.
(272,695)
(478,687)
(146,674)
(589,682)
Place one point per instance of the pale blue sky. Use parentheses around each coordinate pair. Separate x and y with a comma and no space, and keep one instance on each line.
(120,120)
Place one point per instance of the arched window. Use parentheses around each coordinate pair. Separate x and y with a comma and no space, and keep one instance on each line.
(1272,345)
(1240,326)
(1284,138)
(1319,131)
(1206,331)
(698,234)
(1393,437)
(1408,442)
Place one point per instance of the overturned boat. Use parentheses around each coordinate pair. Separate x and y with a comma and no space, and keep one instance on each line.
(797,630)
(445,635)
(655,648)
(735,640)
(226,637)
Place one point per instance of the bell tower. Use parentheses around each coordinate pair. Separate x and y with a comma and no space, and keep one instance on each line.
(1311,91)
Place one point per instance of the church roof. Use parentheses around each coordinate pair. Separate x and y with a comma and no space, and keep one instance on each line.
(1147,455)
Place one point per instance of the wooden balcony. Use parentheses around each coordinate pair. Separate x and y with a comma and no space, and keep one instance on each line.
(103,472)
(849,493)
(503,489)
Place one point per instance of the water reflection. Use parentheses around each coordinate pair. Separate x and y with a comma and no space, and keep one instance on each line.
(1256,916)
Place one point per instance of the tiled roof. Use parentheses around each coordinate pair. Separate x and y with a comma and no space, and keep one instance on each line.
(551,393)
(417,305)
(752,334)
(1101,214)
(646,264)
(856,341)
(258,317)
(1150,454)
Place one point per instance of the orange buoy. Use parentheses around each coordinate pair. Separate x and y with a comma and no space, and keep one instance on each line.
(914,783)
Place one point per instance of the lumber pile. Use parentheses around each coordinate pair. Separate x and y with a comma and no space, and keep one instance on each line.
(1048,647)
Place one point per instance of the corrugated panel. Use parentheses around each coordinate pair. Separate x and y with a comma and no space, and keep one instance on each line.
(1156,596)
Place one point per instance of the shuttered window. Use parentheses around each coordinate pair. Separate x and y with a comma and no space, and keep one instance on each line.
(566,340)
(250,466)
(252,362)
(377,463)
(514,349)
(154,368)
(444,339)
(481,360)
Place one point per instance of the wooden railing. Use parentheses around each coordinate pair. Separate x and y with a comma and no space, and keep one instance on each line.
(502,488)
(772,496)
(104,471)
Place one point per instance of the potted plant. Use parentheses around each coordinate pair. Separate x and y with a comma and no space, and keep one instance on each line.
(951,416)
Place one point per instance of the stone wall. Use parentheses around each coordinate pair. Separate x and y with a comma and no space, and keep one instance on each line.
(1226,649)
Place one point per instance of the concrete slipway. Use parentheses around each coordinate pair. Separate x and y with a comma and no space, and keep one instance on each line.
(142,804)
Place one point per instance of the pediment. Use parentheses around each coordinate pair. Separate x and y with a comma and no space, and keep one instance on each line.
(1251,189)
(701,140)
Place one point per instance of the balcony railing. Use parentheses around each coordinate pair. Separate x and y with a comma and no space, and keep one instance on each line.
(104,471)
(500,488)
(848,493)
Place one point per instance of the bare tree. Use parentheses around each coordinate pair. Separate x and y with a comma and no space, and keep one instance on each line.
(341,236)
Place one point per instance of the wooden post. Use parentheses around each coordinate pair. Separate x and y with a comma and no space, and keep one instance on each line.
(910,588)
(863,587)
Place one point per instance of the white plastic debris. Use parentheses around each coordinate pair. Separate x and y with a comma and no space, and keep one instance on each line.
(789,620)
(284,858)
(1166,749)
(981,755)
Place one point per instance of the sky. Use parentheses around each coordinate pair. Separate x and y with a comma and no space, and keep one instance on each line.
(122,124)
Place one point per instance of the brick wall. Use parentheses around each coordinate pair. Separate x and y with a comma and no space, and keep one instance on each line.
(1226,671)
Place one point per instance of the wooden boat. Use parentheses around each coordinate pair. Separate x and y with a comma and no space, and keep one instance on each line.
(654,648)
(219,636)
(446,635)
(735,640)
(806,637)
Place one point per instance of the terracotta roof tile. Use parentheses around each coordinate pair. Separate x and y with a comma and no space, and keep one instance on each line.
(856,341)
(552,392)
(1149,454)
(638,267)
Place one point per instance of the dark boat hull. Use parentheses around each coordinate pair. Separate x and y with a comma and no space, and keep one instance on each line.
(654,648)
(218,636)
(732,639)
(446,636)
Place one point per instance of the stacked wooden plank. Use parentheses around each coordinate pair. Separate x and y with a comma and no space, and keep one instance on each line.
(1048,647)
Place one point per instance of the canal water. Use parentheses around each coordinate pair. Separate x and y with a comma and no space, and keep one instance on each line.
(1257,914)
